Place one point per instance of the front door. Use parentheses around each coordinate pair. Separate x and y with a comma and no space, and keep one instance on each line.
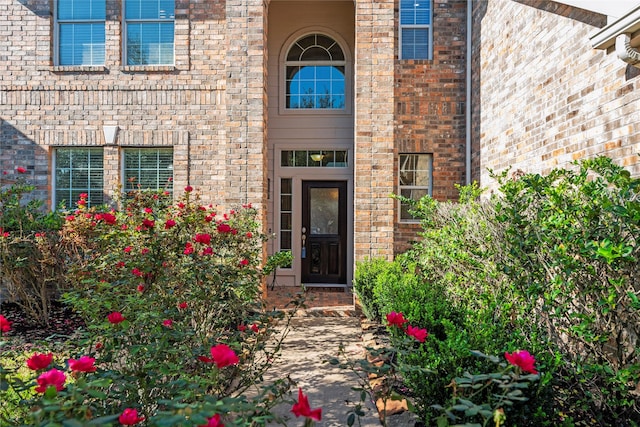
(324,231)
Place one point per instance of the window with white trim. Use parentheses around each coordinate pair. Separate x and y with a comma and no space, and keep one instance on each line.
(149,32)
(78,171)
(80,32)
(315,74)
(415,34)
(286,213)
(415,180)
(148,169)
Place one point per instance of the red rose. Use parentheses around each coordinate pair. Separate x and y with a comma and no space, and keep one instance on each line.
(84,364)
(205,239)
(188,189)
(523,360)
(170,223)
(302,408)
(20,169)
(52,378)
(5,325)
(222,355)
(417,333)
(130,417)
(115,317)
(39,361)
(213,422)
(396,319)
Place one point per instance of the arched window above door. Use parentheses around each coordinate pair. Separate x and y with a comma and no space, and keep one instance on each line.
(315,74)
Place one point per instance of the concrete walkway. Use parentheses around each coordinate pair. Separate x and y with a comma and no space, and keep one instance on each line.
(311,341)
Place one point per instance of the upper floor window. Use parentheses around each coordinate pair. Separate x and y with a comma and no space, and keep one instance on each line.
(148,169)
(416,171)
(80,29)
(78,171)
(149,32)
(415,29)
(315,74)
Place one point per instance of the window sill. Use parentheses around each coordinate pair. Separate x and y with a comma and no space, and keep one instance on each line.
(79,69)
(148,68)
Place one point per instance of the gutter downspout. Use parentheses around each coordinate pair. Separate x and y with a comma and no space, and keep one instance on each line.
(468,98)
(625,52)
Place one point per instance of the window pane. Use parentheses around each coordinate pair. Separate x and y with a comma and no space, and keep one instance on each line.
(79,170)
(315,86)
(148,169)
(81,44)
(81,10)
(415,12)
(415,43)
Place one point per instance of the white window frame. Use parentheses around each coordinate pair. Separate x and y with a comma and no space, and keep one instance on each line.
(168,186)
(428,27)
(348,74)
(126,22)
(56,35)
(401,187)
(88,189)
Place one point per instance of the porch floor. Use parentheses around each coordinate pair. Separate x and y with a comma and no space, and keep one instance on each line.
(316,298)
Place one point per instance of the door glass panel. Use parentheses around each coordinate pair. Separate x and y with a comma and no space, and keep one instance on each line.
(324,206)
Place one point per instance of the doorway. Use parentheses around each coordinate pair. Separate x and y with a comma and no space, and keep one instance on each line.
(324,232)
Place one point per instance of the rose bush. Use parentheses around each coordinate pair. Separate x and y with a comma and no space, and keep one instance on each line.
(166,291)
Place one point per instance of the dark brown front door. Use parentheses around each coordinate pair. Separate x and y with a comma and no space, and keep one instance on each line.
(324,231)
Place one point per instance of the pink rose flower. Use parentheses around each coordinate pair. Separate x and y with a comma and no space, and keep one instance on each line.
(222,355)
(302,408)
(130,417)
(213,422)
(417,333)
(5,325)
(523,360)
(39,361)
(51,378)
(396,319)
(84,364)
(115,317)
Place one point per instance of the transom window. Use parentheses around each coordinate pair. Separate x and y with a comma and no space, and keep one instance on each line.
(148,169)
(315,74)
(415,29)
(314,158)
(77,171)
(149,28)
(415,176)
(80,27)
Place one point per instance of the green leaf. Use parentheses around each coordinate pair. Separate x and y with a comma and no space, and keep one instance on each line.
(351,419)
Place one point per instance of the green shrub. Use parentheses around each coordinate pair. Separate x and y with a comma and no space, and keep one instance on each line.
(573,243)
(31,262)
(364,281)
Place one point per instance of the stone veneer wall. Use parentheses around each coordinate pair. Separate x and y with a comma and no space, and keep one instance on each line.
(374,151)
(542,96)
(430,107)
(219,61)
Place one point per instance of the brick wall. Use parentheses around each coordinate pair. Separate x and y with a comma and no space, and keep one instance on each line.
(543,97)
(430,107)
(373,141)
(218,54)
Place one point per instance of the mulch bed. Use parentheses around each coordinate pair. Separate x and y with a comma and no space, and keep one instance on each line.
(62,324)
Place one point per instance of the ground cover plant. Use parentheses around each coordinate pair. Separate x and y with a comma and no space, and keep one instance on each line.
(174,332)
(548,264)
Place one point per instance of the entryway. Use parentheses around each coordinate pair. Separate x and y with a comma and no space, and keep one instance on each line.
(324,232)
